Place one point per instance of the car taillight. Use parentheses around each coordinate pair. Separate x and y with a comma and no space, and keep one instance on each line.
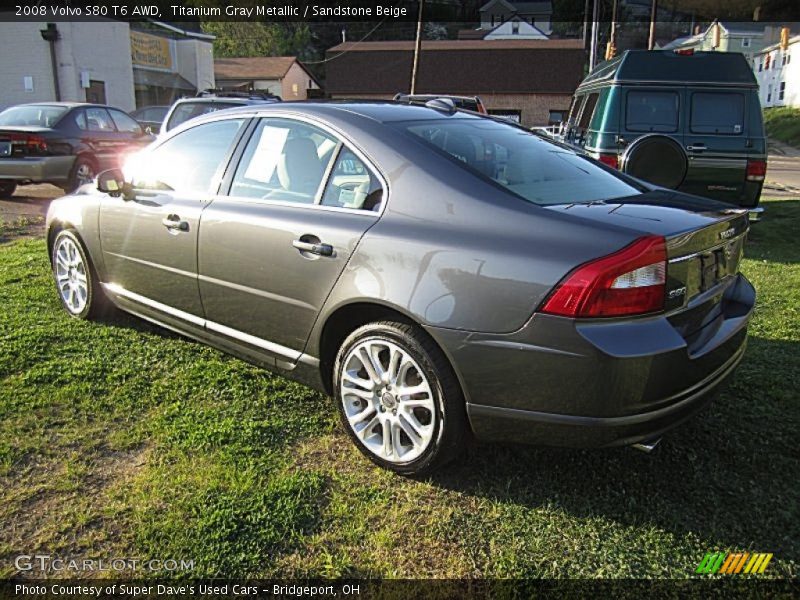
(756,170)
(32,143)
(609,159)
(631,281)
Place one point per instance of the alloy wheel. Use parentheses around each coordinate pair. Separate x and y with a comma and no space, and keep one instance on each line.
(73,285)
(387,400)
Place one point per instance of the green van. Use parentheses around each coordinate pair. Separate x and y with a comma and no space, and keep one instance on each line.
(684,120)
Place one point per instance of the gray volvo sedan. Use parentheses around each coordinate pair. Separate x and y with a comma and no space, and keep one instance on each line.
(440,274)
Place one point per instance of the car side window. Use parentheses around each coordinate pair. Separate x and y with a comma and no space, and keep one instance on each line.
(284,160)
(80,120)
(124,123)
(190,162)
(352,184)
(98,119)
(652,111)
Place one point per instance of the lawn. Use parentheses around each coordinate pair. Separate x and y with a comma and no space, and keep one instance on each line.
(119,439)
(783,124)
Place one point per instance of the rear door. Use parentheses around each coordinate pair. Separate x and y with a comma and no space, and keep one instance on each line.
(716,140)
(271,250)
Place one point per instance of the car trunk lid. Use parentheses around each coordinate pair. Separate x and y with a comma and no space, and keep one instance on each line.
(705,243)
(21,141)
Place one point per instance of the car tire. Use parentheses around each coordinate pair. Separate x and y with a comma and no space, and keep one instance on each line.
(83,171)
(375,370)
(76,279)
(7,188)
(658,159)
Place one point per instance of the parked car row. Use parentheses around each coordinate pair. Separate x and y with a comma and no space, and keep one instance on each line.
(63,143)
(68,143)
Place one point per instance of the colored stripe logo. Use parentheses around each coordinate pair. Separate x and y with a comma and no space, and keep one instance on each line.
(723,563)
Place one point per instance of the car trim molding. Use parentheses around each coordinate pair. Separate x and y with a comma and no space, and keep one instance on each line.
(118,290)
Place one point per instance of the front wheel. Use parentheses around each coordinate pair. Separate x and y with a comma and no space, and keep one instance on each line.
(76,280)
(398,398)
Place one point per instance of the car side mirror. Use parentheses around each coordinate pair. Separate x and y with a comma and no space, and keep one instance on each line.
(112,182)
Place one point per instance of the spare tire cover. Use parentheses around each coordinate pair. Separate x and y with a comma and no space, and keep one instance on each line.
(658,159)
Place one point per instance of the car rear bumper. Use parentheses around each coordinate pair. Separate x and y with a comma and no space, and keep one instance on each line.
(51,169)
(560,382)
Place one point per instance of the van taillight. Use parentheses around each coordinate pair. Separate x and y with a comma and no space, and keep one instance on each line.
(756,170)
(631,281)
(609,159)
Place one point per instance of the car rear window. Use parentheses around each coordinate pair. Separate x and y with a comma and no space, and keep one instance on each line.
(531,167)
(36,116)
(652,111)
(717,112)
(189,110)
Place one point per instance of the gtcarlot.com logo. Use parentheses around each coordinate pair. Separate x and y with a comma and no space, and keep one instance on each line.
(47,563)
(733,563)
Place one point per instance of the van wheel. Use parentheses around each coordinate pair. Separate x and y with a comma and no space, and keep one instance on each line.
(398,398)
(7,188)
(658,159)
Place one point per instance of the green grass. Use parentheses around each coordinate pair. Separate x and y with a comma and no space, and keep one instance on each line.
(120,439)
(783,124)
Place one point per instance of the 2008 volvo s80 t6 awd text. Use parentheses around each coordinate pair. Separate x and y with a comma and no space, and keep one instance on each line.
(440,274)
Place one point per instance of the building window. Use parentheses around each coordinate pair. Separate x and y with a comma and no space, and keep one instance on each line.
(533,21)
(515,27)
(746,43)
(761,66)
(769,93)
(782,90)
(556,116)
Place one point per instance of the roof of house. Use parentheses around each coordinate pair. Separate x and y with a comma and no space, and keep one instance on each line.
(543,6)
(465,67)
(258,67)
(773,47)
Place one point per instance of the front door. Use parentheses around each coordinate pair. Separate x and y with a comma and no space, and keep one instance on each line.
(716,144)
(149,240)
(272,249)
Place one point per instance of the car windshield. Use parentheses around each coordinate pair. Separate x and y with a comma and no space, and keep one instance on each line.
(189,110)
(32,115)
(534,169)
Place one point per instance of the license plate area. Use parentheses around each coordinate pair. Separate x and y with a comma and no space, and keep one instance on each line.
(5,148)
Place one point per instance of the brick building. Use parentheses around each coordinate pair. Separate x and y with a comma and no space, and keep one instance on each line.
(530,80)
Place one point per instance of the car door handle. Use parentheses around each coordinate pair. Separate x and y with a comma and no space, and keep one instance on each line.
(174,223)
(321,249)
(696,147)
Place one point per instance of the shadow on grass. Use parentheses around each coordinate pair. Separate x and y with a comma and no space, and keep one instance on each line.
(730,475)
(775,237)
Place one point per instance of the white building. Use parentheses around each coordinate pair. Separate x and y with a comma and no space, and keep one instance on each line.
(102,61)
(777,71)
(515,29)
(497,12)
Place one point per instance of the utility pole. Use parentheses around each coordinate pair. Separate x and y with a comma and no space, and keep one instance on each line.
(593,43)
(586,24)
(417,46)
(651,42)
(611,50)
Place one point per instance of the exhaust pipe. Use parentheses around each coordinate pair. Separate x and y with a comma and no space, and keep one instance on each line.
(647,446)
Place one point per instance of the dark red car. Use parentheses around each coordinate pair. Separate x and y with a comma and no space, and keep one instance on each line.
(63,143)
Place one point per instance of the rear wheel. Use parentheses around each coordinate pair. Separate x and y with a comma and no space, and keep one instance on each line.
(76,280)
(83,171)
(399,399)
(7,188)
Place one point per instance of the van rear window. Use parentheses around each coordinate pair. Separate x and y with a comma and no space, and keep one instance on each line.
(717,112)
(652,111)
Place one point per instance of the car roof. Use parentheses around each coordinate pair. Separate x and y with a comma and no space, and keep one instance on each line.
(376,110)
(66,104)
(225,99)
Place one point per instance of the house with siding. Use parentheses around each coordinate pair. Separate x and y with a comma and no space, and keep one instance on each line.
(284,76)
(777,70)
